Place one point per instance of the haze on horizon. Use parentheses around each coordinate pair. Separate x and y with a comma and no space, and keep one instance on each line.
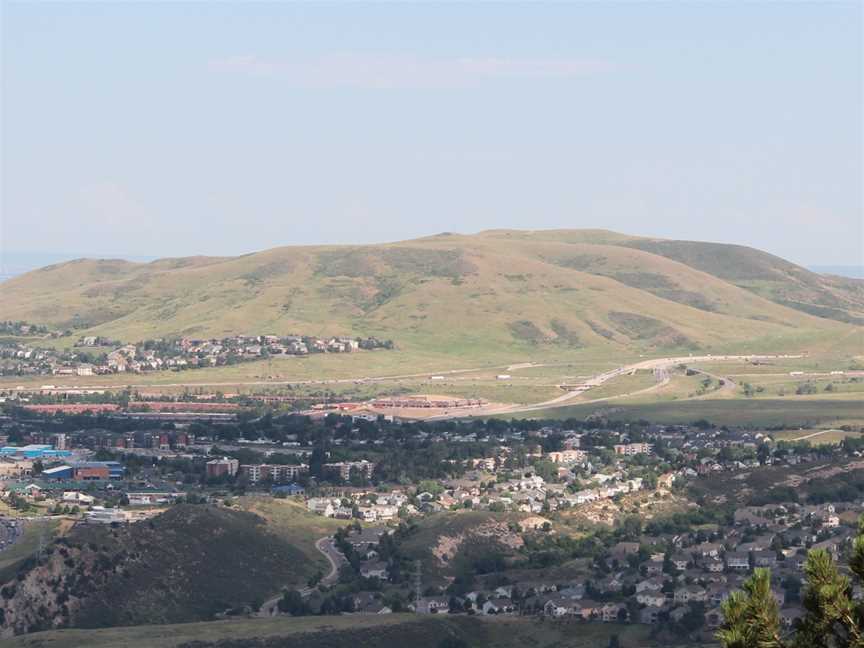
(149,130)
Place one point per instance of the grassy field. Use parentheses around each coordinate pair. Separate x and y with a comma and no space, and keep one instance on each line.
(683,399)
(817,362)
(495,392)
(319,371)
(680,387)
(36,508)
(319,368)
(815,437)
(372,631)
(773,386)
(621,385)
(756,413)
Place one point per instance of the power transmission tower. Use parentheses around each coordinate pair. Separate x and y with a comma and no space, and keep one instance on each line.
(418,580)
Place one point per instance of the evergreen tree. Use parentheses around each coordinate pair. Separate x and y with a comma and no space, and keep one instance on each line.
(832,618)
(752,617)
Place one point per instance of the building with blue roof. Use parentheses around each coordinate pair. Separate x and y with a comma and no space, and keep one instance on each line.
(288,489)
(86,471)
(34,451)
(59,472)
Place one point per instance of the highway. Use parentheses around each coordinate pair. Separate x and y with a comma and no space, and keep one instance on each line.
(660,366)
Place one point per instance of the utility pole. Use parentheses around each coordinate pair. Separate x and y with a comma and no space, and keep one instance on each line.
(41,543)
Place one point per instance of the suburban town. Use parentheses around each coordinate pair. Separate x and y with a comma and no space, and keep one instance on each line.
(431,324)
(675,525)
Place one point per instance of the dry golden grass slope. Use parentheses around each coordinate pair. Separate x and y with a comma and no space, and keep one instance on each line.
(496,296)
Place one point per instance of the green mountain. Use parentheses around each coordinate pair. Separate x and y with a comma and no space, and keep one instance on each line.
(494,295)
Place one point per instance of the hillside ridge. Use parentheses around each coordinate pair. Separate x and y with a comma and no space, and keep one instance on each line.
(170,569)
(512,293)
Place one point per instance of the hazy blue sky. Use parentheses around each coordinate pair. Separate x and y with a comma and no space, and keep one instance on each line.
(222,128)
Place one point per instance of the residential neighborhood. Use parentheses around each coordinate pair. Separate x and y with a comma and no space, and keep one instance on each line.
(94,355)
(676,528)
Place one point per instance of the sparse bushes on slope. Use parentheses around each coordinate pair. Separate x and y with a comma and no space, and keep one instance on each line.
(187,564)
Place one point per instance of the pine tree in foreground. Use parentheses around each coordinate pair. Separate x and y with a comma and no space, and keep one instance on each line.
(832,619)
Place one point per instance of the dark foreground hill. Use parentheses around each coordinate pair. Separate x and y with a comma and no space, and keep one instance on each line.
(494,295)
(187,564)
(356,631)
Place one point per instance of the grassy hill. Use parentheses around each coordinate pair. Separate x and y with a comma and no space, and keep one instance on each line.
(496,296)
(187,564)
(293,522)
(451,543)
(770,276)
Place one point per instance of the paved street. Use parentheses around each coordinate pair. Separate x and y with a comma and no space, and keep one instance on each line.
(334,557)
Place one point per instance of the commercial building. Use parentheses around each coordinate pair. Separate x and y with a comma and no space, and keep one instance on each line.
(630,449)
(276,473)
(15,469)
(222,467)
(288,489)
(77,497)
(152,497)
(58,472)
(344,468)
(566,456)
(86,471)
(89,470)
(102,515)
(34,451)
